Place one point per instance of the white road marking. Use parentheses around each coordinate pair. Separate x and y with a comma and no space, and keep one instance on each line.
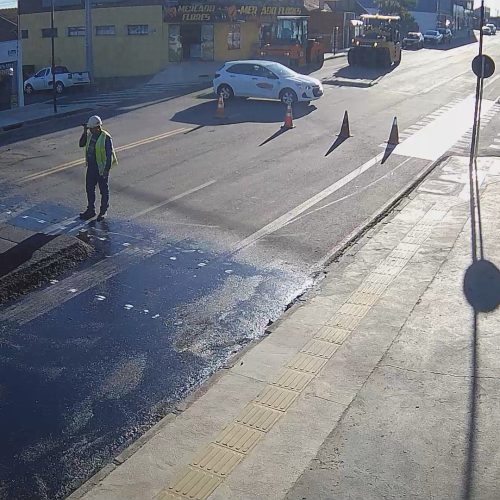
(170,200)
(443,82)
(435,139)
(495,146)
(285,218)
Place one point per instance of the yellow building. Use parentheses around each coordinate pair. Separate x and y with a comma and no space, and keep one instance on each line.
(141,37)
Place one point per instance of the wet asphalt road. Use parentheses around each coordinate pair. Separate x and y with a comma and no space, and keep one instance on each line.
(222,225)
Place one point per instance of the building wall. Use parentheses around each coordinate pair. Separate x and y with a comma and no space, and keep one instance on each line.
(249,39)
(114,55)
(8,51)
(425,20)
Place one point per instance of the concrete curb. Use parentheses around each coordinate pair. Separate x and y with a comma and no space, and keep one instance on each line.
(48,257)
(332,256)
(42,119)
(339,54)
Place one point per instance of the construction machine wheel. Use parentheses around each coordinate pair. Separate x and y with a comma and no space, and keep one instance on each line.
(351,57)
(398,62)
(385,58)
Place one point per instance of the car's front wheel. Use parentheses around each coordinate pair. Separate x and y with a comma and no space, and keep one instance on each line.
(226,91)
(59,87)
(288,96)
(28,89)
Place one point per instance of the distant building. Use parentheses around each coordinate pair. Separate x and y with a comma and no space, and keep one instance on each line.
(142,37)
(9,76)
(454,14)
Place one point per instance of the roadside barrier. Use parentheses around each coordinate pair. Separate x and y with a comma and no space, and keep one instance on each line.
(288,123)
(345,131)
(219,113)
(394,136)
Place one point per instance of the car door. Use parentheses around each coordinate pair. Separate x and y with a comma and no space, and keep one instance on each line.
(238,78)
(263,83)
(38,80)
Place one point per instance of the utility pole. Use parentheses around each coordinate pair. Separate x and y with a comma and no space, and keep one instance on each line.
(20,78)
(88,38)
(54,94)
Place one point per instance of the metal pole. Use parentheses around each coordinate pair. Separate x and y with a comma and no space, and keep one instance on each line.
(477,106)
(88,38)
(54,94)
(20,79)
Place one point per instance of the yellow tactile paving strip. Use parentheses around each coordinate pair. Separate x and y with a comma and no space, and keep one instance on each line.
(217,460)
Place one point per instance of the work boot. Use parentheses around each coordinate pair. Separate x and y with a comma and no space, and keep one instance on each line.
(101,216)
(88,214)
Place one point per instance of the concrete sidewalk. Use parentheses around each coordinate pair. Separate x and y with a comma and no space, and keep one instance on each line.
(35,113)
(377,385)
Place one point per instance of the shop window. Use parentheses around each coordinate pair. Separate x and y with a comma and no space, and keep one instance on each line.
(234,37)
(49,32)
(108,30)
(24,34)
(137,29)
(76,31)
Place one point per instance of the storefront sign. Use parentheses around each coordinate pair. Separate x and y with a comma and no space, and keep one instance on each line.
(224,13)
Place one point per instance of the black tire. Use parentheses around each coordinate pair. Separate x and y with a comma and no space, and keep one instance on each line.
(386,59)
(351,57)
(226,91)
(288,96)
(28,89)
(59,87)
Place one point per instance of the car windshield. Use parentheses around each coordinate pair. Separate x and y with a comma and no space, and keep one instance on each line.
(431,32)
(280,70)
(412,36)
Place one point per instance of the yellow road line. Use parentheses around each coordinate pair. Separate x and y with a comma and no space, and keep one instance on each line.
(74,163)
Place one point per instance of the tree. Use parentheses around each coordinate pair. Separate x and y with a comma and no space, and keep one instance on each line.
(399,8)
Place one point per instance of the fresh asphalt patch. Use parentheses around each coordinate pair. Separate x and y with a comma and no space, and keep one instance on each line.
(83,380)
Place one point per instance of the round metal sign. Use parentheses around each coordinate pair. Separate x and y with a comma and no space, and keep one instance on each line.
(483,64)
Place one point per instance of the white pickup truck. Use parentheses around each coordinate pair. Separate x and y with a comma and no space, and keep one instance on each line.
(42,80)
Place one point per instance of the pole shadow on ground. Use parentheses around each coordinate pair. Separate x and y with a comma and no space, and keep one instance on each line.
(481,287)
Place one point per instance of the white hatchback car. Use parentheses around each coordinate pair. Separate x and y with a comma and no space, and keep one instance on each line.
(267,80)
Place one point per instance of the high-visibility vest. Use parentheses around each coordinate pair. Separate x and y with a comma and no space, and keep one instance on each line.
(100,151)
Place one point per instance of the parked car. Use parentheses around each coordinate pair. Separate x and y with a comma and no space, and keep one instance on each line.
(493,28)
(265,79)
(433,37)
(486,30)
(413,40)
(447,34)
(42,80)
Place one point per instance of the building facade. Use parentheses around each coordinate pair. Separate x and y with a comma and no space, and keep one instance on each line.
(141,37)
(454,14)
(10,74)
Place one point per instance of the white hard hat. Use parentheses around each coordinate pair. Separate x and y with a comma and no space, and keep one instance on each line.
(94,121)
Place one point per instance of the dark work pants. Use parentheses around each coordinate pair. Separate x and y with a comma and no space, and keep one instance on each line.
(93,178)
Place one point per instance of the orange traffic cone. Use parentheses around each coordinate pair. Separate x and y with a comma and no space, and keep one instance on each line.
(219,113)
(394,137)
(288,118)
(344,130)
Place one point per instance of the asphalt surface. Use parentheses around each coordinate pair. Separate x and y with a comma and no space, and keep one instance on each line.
(215,226)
